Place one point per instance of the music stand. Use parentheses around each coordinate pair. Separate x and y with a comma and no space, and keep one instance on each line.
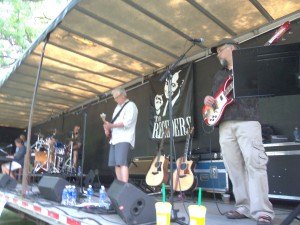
(267,71)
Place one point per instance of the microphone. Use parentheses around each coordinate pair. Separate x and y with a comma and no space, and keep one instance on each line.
(197,40)
(9,146)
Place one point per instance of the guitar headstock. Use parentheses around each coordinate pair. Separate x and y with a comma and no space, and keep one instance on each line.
(190,130)
(103,116)
(166,132)
(279,33)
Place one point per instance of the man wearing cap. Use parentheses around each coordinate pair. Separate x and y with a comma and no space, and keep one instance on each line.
(241,146)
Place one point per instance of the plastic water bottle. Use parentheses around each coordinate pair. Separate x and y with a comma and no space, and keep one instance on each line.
(104,200)
(69,201)
(71,197)
(90,193)
(64,196)
(74,195)
(297,134)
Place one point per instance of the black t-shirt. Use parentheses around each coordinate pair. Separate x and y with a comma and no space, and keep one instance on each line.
(245,109)
(77,141)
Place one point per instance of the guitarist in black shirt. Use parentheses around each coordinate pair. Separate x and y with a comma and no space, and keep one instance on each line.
(241,145)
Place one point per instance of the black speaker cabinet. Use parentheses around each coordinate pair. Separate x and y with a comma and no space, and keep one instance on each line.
(132,205)
(283,169)
(7,182)
(51,187)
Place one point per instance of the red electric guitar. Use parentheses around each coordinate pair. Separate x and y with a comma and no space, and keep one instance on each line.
(213,114)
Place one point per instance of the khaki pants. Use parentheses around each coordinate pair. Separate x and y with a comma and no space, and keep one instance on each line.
(245,160)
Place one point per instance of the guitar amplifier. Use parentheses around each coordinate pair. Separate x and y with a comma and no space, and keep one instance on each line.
(139,166)
(138,170)
(212,176)
(283,169)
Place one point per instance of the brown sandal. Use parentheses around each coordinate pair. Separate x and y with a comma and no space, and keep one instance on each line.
(235,215)
(264,220)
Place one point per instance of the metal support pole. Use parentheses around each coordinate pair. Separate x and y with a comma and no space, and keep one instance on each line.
(83,150)
(28,150)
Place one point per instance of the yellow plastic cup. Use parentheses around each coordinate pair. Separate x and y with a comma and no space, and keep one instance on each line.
(163,213)
(197,214)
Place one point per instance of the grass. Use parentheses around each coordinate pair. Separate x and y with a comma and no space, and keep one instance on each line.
(10,218)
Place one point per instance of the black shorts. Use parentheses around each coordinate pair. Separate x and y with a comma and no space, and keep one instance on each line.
(119,154)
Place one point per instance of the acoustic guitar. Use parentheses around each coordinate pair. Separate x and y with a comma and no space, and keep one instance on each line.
(103,117)
(183,177)
(158,172)
(213,114)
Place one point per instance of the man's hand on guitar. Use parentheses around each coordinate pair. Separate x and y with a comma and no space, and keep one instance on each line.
(107,129)
(107,126)
(209,100)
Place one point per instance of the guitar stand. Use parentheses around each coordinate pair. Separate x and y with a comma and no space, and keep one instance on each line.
(175,218)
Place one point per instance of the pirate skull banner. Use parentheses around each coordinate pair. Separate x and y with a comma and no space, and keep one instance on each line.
(182,103)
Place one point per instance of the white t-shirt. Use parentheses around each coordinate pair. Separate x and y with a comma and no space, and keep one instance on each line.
(129,117)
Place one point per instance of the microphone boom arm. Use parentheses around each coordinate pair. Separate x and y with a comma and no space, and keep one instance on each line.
(174,65)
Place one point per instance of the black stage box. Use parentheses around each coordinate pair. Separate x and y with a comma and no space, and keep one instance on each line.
(284,170)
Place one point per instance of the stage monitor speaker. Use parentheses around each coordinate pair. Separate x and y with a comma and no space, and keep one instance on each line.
(51,187)
(7,182)
(132,205)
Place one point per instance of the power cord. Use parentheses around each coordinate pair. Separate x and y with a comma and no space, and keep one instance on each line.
(211,163)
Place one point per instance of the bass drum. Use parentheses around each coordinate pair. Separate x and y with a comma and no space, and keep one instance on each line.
(40,161)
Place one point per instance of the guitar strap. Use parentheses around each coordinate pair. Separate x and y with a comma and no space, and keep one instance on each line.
(117,115)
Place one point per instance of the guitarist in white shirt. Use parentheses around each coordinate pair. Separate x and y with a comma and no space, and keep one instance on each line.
(241,145)
(122,133)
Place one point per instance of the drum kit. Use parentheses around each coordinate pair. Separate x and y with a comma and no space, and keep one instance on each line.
(52,156)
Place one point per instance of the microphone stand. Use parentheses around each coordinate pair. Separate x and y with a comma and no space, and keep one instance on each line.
(83,150)
(168,77)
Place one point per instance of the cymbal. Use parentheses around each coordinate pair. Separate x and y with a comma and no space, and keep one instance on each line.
(38,134)
(70,139)
(54,131)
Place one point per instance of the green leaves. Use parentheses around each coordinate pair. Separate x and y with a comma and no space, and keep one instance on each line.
(21,21)
(16,34)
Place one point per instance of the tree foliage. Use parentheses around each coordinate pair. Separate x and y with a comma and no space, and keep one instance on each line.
(16,34)
(20,25)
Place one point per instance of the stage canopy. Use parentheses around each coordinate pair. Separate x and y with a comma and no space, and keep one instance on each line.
(97,45)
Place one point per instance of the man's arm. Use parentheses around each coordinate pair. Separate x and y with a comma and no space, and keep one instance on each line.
(130,116)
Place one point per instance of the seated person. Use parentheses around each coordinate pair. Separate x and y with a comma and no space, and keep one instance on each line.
(18,158)
(23,138)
